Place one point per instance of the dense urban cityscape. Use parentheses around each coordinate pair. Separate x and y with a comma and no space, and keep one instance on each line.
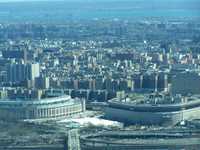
(100,84)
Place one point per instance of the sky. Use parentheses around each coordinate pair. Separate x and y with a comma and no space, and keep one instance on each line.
(180,3)
(74,0)
(24,0)
(16,0)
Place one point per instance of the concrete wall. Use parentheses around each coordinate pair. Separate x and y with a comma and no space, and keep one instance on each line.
(132,117)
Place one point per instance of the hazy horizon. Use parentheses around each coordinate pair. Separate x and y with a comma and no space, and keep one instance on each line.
(38,11)
(150,1)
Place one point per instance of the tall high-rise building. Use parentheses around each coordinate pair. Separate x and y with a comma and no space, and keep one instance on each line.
(186,83)
(18,72)
(32,71)
(42,82)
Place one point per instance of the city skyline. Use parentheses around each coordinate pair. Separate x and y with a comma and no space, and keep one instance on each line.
(99,74)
